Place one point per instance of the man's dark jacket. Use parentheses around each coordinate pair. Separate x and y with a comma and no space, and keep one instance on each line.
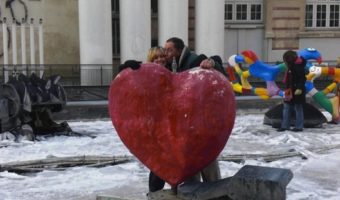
(189,59)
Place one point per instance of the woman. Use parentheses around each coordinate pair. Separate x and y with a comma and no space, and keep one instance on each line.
(295,91)
(156,55)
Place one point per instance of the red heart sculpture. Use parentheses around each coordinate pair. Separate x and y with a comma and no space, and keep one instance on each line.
(175,124)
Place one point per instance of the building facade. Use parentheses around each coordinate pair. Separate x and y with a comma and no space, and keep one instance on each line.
(105,32)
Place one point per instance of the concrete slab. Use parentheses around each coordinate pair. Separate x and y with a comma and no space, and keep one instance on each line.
(250,182)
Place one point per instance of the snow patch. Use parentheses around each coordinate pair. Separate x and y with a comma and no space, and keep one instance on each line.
(314,178)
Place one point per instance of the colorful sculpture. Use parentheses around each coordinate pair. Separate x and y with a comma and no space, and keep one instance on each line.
(257,69)
(269,74)
(331,104)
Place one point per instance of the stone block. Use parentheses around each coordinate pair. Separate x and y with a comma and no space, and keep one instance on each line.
(163,195)
(250,182)
(205,190)
(262,183)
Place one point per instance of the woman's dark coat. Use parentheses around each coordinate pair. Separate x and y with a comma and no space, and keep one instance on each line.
(295,78)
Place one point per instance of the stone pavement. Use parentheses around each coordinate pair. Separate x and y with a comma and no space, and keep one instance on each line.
(97,109)
(90,102)
(250,182)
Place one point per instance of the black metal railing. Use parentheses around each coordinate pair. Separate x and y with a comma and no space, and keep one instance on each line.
(70,73)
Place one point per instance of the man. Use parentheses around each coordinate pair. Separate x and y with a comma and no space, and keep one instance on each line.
(185,59)
(295,91)
(178,54)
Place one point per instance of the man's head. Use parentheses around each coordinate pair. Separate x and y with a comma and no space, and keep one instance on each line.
(173,48)
(290,57)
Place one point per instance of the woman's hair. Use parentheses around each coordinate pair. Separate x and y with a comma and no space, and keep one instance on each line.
(154,53)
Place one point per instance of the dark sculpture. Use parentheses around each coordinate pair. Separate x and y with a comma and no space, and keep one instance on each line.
(313,116)
(31,101)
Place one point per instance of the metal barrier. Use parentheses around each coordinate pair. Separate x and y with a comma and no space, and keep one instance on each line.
(71,74)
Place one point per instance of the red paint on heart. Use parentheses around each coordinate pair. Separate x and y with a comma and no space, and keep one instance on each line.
(175,124)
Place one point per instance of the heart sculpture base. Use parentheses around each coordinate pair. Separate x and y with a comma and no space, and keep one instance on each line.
(175,124)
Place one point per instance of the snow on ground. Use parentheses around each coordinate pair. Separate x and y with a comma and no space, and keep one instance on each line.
(317,177)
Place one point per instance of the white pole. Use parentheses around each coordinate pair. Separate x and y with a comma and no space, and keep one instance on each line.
(209,33)
(32,45)
(41,49)
(173,20)
(95,41)
(5,43)
(14,42)
(23,46)
(135,29)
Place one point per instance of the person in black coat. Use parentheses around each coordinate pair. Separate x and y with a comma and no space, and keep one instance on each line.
(177,53)
(295,92)
(179,58)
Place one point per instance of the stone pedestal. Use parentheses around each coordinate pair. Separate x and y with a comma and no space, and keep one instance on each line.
(250,182)
(254,182)
(163,195)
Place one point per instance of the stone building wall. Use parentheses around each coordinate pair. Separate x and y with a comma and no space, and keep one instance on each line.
(61,29)
(283,21)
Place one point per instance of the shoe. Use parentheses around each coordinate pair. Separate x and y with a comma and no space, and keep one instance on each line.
(281,129)
(297,129)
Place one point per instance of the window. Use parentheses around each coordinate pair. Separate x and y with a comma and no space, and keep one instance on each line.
(255,12)
(115,27)
(228,14)
(241,12)
(322,14)
(309,15)
(248,11)
(154,6)
(334,16)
